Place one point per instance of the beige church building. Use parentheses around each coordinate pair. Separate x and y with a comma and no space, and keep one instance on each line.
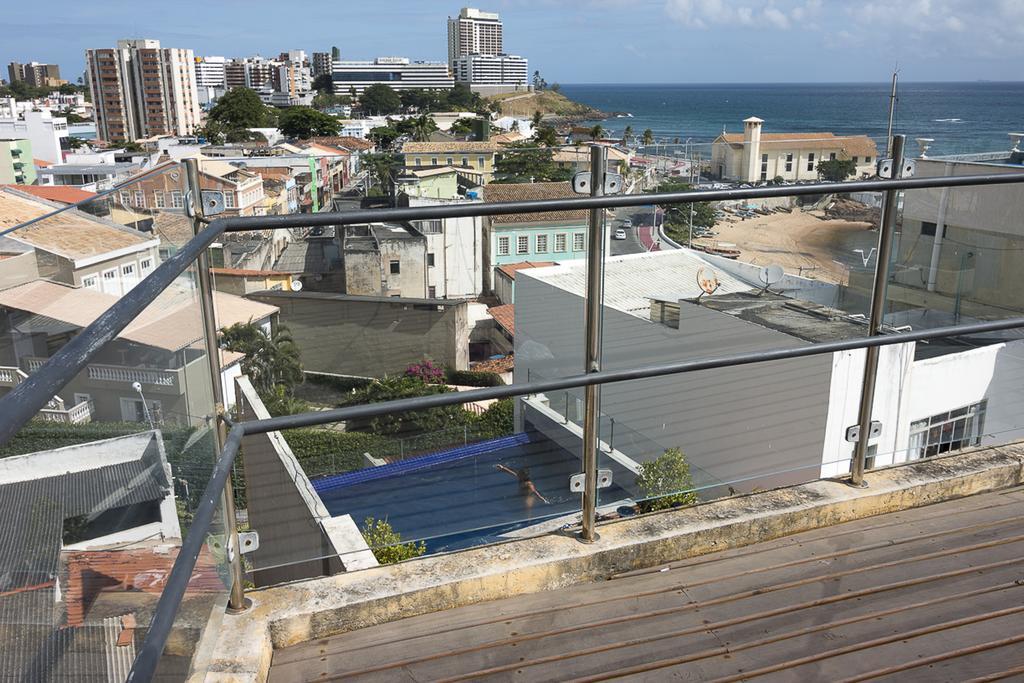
(754,156)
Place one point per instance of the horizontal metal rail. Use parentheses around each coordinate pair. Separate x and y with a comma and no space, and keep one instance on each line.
(28,398)
(144,666)
(612,376)
(248,223)
(170,599)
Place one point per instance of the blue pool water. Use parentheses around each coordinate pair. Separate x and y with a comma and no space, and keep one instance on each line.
(468,501)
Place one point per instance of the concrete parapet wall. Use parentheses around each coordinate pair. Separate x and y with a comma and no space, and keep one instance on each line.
(303,611)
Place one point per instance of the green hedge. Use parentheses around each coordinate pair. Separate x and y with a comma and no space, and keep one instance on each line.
(338,382)
(473,378)
(323,451)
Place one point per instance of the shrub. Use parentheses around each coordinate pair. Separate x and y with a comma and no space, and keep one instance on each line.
(473,378)
(323,451)
(497,420)
(386,543)
(338,382)
(665,482)
(410,421)
(280,402)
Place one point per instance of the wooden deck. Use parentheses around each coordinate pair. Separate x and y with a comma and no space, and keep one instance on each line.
(932,594)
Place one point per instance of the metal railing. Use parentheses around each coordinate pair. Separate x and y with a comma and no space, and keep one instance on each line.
(32,394)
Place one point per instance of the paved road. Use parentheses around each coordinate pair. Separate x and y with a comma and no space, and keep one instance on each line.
(638,239)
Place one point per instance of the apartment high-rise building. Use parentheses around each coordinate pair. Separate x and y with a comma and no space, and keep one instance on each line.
(211,72)
(251,72)
(140,89)
(35,74)
(474,33)
(323,63)
(492,70)
(399,73)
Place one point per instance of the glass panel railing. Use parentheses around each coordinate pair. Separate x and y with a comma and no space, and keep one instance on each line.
(115,464)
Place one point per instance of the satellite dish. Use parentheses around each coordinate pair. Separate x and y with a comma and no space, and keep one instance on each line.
(770,275)
(296,285)
(707,280)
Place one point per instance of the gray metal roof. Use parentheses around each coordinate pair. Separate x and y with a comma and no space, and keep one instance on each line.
(89,169)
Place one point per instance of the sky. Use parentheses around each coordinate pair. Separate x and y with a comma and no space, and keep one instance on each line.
(569,41)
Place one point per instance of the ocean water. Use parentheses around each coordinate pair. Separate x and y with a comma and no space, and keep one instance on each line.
(961,117)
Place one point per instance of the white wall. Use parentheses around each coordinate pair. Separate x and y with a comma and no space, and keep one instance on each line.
(42,129)
(458,254)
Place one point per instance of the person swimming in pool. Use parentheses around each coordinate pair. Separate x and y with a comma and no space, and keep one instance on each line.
(526,486)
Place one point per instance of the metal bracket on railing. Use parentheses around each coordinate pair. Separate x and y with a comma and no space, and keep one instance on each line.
(853,432)
(604,480)
(885,169)
(249,541)
(581,183)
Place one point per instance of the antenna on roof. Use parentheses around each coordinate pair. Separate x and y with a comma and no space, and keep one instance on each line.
(707,281)
(770,275)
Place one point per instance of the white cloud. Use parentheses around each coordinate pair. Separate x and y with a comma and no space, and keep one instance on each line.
(703,14)
(776,17)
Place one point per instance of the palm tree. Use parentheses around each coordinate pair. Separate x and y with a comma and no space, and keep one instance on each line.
(537,118)
(270,360)
(597,132)
(627,134)
(648,137)
(422,127)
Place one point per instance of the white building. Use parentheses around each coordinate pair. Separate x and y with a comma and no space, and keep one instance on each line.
(493,70)
(474,32)
(45,131)
(454,252)
(211,72)
(759,425)
(754,156)
(397,72)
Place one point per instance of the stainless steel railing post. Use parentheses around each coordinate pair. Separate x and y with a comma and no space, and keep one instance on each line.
(883,258)
(236,599)
(592,348)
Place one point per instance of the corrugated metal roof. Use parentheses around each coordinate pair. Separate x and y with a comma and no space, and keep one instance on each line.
(630,281)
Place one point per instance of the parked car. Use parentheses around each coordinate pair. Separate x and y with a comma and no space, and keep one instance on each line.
(627,223)
(620,234)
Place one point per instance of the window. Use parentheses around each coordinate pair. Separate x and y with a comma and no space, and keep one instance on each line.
(465,161)
(431,292)
(542,244)
(503,246)
(432,227)
(125,197)
(867,160)
(928,228)
(810,161)
(395,267)
(789,163)
(128,270)
(480,162)
(854,159)
(145,265)
(140,198)
(430,259)
(109,282)
(578,241)
(764,167)
(158,199)
(91,281)
(176,199)
(947,431)
(831,156)
(560,242)
(229,200)
(449,161)
(433,161)
(133,410)
(419,162)
(869,458)
(522,244)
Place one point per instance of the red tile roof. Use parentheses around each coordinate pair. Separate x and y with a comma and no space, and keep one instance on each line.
(41,163)
(345,142)
(55,193)
(510,269)
(505,316)
(499,365)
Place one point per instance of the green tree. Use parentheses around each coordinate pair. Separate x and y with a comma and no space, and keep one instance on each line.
(242,108)
(323,100)
(132,147)
(523,162)
(306,122)
(537,118)
(555,87)
(677,216)
(546,135)
(380,99)
(270,361)
(463,126)
(383,168)
(627,135)
(384,136)
(648,137)
(596,131)
(324,84)
(386,543)
(411,421)
(421,127)
(463,98)
(665,482)
(836,170)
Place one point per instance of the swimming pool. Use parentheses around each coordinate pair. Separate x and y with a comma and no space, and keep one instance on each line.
(453,504)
